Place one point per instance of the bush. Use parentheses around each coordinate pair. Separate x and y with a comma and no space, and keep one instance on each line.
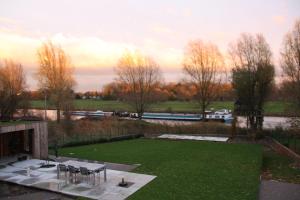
(110,129)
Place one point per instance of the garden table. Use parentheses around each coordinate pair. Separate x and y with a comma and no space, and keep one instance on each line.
(94,167)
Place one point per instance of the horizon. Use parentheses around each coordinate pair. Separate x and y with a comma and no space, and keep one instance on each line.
(97,38)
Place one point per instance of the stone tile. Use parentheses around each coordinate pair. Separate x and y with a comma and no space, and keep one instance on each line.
(30,181)
(191,137)
(44,178)
(274,190)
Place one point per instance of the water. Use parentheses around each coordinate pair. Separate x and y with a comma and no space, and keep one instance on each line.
(270,122)
(51,114)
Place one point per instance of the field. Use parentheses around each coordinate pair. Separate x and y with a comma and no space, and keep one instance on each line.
(279,167)
(10,123)
(184,169)
(271,108)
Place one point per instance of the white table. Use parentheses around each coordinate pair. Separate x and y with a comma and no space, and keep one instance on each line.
(90,166)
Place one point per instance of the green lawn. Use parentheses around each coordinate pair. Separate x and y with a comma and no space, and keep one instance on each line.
(280,168)
(10,123)
(184,169)
(271,108)
(90,105)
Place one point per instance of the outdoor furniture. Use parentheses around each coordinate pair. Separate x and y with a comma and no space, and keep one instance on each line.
(92,167)
(85,172)
(61,168)
(73,171)
(98,172)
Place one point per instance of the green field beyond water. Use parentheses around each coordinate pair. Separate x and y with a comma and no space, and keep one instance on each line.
(184,169)
(271,108)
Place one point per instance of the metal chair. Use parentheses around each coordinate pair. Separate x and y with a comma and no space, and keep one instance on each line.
(62,168)
(73,172)
(97,172)
(85,172)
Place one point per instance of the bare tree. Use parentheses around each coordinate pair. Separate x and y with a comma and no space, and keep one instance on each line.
(141,75)
(55,75)
(252,76)
(290,62)
(203,63)
(12,88)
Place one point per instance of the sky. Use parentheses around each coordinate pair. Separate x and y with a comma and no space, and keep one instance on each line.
(95,33)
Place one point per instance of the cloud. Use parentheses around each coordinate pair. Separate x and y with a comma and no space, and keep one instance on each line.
(91,56)
(279,19)
(87,51)
(4,20)
(84,51)
(187,12)
(160,29)
(18,47)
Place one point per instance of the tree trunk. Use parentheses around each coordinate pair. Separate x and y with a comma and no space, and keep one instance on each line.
(203,113)
(233,126)
(260,121)
(58,115)
(253,124)
(140,126)
(140,115)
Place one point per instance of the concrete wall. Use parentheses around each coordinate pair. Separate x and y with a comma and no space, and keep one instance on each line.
(40,136)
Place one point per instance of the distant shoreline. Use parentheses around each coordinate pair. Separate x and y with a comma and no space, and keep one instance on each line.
(272,108)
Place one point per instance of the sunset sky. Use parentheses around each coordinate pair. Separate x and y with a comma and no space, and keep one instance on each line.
(95,33)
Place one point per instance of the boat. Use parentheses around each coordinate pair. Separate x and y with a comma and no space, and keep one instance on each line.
(98,113)
(171,116)
(223,115)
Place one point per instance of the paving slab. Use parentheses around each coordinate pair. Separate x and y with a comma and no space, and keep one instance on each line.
(192,137)
(274,190)
(43,195)
(17,192)
(46,179)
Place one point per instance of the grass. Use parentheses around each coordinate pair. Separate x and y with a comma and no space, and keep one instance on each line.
(184,169)
(271,108)
(10,123)
(89,105)
(278,167)
(183,106)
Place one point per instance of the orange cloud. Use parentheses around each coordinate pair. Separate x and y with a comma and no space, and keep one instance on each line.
(84,51)
(279,19)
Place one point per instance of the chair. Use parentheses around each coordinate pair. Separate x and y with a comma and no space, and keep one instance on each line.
(61,168)
(85,172)
(73,172)
(98,173)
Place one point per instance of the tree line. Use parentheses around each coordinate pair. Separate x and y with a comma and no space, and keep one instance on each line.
(139,80)
(168,91)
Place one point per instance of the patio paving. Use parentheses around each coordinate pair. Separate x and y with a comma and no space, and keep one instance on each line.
(46,178)
(113,166)
(43,195)
(274,190)
(10,191)
(191,137)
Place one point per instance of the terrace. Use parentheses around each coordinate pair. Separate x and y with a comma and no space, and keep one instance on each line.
(30,173)
(180,166)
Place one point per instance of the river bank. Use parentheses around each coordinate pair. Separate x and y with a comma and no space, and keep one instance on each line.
(270,122)
(272,108)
